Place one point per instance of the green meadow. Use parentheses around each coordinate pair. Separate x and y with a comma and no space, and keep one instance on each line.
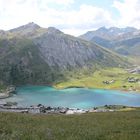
(95,80)
(122,125)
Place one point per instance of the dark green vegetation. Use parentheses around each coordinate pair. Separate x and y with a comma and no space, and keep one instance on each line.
(20,63)
(34,55)
(98,126)
(2,87)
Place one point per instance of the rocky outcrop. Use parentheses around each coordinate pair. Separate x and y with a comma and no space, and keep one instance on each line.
(41,109)
(7,92)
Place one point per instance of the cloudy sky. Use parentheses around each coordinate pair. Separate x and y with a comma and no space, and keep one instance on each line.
(71,16)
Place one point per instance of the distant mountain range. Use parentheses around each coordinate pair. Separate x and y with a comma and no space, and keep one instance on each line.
(125,41)
(33,55)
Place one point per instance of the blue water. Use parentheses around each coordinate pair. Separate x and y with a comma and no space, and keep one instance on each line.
(73,97)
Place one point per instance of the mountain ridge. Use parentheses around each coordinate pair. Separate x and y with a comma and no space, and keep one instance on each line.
(116,39)
(34,55)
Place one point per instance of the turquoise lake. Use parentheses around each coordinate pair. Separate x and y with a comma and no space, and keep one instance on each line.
(73,97)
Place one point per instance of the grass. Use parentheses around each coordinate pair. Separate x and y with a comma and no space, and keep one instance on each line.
(95,80)
(92,126)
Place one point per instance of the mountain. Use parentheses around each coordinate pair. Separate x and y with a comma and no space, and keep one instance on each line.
(125,41)
(25,29)
(31,54)
(109,33)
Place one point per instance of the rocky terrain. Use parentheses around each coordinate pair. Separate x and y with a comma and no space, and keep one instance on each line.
(41,109)
(5,93)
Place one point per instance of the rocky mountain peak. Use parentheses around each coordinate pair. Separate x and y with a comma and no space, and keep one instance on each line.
(32,25)
(53,30)
(116,30)
(26,28)
(102,29)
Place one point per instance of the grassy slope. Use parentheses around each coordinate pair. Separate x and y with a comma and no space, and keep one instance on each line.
(98,126)
(135,60)
(95,80)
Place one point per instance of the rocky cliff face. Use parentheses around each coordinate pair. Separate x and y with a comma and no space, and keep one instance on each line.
(31,54)
(64,50)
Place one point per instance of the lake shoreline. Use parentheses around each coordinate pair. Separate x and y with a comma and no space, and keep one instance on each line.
(123,90)
(69,87)
(46,110)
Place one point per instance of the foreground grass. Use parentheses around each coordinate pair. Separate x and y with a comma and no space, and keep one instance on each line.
(95,80)
(94,126)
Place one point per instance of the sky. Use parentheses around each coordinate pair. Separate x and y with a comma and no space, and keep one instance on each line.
(73,17)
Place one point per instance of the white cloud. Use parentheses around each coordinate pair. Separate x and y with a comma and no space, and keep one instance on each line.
(129,12)
(75,22)
(86,18)
(61,2)
(14,13)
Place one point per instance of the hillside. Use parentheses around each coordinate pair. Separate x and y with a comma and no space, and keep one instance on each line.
(34,55)
(124,41)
